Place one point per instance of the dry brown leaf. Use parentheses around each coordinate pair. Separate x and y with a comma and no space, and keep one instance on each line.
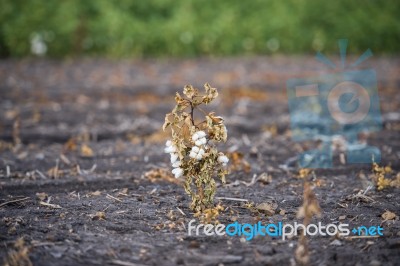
(268,208)
(388,215)
(96,193)
(304,172)
(54,172)
(86,151)
(99,216)
(70,145)
(265,178)
(42,196)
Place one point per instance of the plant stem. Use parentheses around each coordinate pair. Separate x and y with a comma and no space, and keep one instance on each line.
(191,113)
(201,195)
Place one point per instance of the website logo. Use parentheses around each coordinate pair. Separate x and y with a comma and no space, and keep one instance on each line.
(343,104)
(280,230)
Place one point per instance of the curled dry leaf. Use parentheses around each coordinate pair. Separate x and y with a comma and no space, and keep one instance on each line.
(86,151)
(268,208)
(388,215)
(71,145)
(42,196)
(304,172)
(95,193)
(264,178)
(99,216)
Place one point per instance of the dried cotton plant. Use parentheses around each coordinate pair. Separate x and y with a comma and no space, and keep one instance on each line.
(192,149)
(306,211)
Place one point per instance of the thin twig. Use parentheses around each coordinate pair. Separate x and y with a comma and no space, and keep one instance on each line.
(191,112)
(54,206)
(8,171)
(41,174)
(13,201)
(181,211)
(252,182)
(114,198)
(36,243)
(56,169)
(232,199)
(355,237)
(123,263)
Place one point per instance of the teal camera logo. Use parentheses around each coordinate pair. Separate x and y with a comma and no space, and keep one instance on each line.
(343,104)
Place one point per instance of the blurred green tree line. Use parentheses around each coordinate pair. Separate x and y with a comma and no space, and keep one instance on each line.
(152,28)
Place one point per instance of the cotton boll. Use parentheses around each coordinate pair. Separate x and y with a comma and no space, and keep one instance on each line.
(196,153)
(201,134)
(176,164)
(170,149)
(203,141)
(195,136)
(198,142)
(168,143)
(223,159)
(178,172)
(174,157)
(201,152)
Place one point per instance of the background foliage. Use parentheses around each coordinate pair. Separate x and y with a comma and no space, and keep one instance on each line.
(196,27)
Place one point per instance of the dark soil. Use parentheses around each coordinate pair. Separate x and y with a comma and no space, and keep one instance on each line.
(99,123)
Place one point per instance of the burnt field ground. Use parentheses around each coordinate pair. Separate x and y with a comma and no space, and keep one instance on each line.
(81,143)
